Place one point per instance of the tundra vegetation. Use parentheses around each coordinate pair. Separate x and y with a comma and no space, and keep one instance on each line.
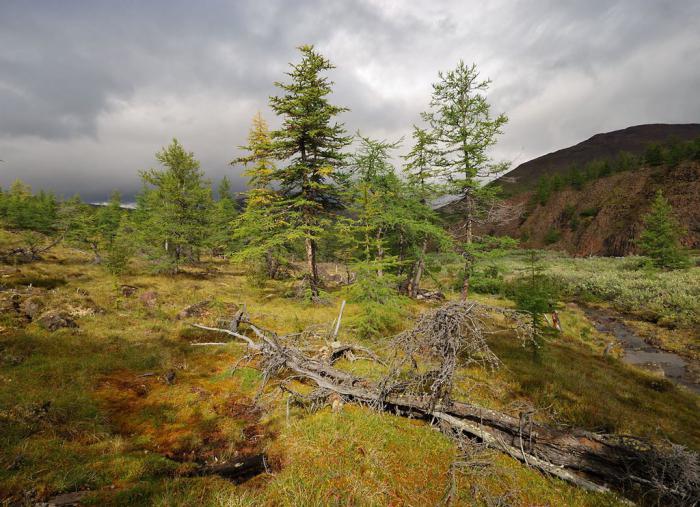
(302,344)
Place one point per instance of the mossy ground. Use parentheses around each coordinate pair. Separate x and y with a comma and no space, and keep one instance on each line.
(76,412)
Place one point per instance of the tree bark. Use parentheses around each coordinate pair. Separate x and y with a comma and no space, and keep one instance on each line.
(417,273)
(237,471)
(380,253)
(312,266)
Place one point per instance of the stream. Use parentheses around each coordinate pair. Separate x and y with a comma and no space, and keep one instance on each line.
(639,353)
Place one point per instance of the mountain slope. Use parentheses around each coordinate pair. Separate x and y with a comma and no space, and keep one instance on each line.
(604,217)
(601,146)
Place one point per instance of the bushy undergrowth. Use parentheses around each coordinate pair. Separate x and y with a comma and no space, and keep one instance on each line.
(381,308)
(669,298)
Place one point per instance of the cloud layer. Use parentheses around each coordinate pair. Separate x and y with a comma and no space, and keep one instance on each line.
(90,90)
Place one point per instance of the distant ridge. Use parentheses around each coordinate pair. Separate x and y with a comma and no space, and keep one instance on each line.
(600,146)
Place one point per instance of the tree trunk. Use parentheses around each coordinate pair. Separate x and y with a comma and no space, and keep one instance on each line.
(467,279)
(468,217)
(380,253)
(417,273)
(589,460)
(311,266)
(97,257)
(272,265)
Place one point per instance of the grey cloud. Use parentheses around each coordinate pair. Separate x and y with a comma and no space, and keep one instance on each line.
(90,90)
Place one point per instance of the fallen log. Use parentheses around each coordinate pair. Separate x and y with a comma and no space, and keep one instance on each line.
(236,471)
(595,462)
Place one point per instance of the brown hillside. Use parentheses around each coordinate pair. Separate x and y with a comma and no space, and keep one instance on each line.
(605,216)
(601,146)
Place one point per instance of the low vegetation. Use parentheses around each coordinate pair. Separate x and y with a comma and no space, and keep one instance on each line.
(669,154)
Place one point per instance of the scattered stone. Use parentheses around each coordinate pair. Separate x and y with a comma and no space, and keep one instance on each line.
(31,307)
(10,302)
(430,295)
(65,500)
(84,308)
(53,320)
(127,290)
(195,310)
(149,299)
(170,377)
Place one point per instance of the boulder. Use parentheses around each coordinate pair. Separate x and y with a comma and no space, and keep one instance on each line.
(149,299)
(53,320)
(31,307)
(430,295)
(195,310)
(127,290)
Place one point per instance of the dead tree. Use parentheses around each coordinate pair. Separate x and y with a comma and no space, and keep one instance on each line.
(456,332)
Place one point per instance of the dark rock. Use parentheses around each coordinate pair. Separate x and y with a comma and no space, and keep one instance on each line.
(430,295)
(31,307)
(53,320)
(170,377)
(127,290)
(149,299)
(66,499)
(195,310)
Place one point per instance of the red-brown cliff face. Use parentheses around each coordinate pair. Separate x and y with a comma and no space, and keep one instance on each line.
(605,216)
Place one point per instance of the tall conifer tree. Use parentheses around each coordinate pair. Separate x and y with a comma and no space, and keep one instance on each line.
(175,208)
(310,142)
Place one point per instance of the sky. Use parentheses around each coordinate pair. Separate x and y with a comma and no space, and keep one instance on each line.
(91,90)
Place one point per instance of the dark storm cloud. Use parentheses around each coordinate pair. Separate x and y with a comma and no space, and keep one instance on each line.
(90,90)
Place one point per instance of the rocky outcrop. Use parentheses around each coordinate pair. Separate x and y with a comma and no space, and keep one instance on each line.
(605,216)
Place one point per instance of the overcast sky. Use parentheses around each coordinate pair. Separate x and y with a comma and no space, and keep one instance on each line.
(90,90)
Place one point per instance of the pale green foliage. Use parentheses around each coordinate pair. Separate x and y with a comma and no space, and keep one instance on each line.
(421,164)
(669,297)
(224,211)
(90,227)
(21,209)
(382,307)
(463,128)
(121,249)
(264,231)
(391,216)
(174,209)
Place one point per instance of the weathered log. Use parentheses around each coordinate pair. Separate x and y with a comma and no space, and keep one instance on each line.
(592,461)
(237,471)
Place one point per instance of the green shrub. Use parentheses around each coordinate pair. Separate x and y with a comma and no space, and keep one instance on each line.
(552,236)
(589,212)
(382,307)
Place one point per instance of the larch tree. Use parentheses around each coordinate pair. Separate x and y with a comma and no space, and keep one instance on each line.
(393,218)
(660,239)
(310,143)
(223,214)
(420,169)
(264,228)
(463,129)
(175,208)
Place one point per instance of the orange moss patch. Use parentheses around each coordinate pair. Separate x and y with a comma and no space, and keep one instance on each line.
(192,420)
